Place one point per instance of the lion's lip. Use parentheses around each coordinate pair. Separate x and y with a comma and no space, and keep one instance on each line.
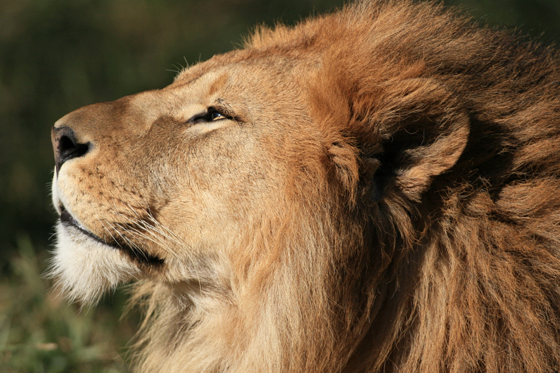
(69,221)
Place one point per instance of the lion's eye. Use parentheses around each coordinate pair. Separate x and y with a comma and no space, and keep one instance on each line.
(212,115)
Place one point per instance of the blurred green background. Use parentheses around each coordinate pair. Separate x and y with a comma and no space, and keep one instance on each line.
(58,55)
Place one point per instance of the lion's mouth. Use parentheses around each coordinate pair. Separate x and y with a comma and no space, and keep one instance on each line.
(135,253)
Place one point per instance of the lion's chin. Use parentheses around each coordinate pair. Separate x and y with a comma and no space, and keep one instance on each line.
(85,268)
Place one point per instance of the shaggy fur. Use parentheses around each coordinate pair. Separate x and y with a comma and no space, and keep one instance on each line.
(383,195)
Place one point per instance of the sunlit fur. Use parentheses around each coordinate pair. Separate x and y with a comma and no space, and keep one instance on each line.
(383,196)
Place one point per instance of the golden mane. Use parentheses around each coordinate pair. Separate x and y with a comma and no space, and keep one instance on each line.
(457,272)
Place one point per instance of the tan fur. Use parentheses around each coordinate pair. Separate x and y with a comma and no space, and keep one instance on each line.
(382,196)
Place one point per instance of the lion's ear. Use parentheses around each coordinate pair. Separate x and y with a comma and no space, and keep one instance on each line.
(422,131)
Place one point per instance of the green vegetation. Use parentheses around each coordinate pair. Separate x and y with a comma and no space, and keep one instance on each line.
(58,55)
(40,332)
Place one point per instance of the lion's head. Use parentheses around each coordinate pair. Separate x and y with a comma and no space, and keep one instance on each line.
(372,190)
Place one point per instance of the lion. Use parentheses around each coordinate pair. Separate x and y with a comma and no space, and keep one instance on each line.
(372,190)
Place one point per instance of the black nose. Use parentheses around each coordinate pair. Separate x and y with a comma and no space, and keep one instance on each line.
(66,146)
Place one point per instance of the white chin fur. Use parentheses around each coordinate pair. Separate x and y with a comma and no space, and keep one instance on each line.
(85,268)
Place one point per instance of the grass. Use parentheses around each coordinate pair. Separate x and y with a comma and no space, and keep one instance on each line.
(41,333)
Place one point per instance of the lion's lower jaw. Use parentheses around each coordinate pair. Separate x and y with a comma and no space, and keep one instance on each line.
(86,269)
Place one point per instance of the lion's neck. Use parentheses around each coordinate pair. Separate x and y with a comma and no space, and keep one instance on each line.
(215,334)
(265,327)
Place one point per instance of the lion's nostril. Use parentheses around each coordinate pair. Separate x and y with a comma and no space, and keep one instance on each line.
(66,146)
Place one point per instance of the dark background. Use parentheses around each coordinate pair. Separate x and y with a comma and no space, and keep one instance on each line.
(59,55)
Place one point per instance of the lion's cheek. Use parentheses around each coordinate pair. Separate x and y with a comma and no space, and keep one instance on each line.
(85,269)
(198,225)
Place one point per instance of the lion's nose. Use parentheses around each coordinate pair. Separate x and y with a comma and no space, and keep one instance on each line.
(66,146)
